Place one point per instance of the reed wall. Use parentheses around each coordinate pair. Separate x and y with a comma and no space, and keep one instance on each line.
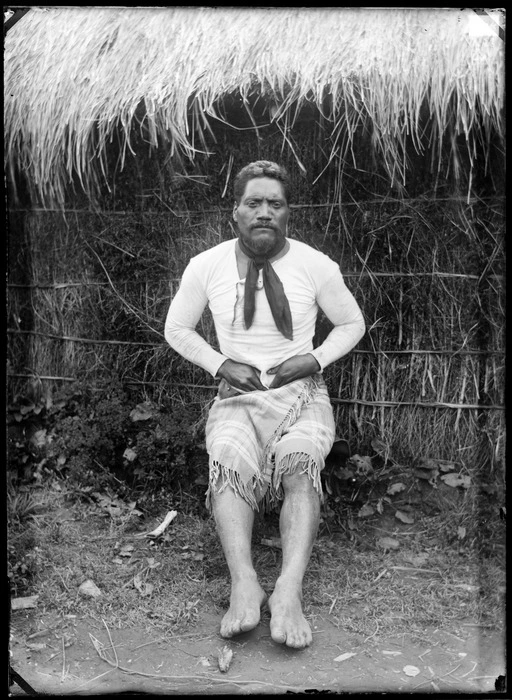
(88,291)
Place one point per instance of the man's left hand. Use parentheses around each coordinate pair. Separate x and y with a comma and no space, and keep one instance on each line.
(294,368)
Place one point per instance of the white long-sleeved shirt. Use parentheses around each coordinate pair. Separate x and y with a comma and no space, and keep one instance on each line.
(311,280)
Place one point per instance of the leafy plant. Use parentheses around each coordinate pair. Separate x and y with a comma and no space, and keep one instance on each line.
(95,436)
(166,449)
(23,554)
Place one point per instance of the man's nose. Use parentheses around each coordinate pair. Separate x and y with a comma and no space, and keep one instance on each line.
(264,211)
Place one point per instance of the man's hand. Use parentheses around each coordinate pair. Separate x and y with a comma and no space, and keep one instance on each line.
(241,376)
(294,368)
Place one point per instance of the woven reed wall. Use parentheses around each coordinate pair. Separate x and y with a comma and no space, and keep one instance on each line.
(88,292)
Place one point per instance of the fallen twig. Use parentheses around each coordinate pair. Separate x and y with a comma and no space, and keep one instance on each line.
(154,641)
(413,568)
(450,672)
(459,639)
(163,525)
(372,635)
(63,675)
(398,534)
(475,664)
(111,642)
(95,678)
(195,677)
(381,574)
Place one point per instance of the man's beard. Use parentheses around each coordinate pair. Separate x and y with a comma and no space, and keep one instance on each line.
(265,246)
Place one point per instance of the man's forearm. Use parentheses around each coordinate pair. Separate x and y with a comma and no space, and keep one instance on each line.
(183,316)
(340,341)
(342,310)
(193,347)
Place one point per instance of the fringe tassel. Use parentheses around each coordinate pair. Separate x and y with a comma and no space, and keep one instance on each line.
(306,396)
(248,491)
(289,465)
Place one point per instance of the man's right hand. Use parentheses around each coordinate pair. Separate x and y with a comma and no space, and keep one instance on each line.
(241,376)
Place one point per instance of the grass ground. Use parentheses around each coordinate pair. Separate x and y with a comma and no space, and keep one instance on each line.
(371,572)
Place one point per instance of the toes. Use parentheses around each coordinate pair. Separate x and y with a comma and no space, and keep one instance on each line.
(248,624)
(231,627)
(298,642)
(292,639)
(226,631)
(231,630)
(278,635)
(295,645)
(287,634)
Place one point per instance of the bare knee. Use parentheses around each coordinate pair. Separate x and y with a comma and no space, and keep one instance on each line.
(226,494)
(299,482)
(223,492)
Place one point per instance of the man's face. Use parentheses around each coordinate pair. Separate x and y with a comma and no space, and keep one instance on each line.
(262,216)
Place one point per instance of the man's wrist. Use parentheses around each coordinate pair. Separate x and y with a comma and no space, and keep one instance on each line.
(218,374)
(318,366)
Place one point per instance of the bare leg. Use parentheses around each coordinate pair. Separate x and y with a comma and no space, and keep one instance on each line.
(299,519)
(234,519)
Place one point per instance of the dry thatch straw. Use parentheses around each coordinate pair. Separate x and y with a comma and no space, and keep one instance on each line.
(76,77)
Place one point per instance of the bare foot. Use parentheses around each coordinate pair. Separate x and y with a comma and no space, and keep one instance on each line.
(247,598)
(288,624)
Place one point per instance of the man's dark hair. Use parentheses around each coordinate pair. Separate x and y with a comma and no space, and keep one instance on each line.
(261,168)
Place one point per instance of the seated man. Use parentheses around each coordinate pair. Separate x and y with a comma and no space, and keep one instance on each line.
(271,425)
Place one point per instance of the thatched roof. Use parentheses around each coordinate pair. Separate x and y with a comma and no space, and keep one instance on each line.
(75,75)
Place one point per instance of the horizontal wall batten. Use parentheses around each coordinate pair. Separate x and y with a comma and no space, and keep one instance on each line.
(184,212)
(362,273)
(334,400)
(356,351)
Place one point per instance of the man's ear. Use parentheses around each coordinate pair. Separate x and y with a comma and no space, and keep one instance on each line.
(235,207)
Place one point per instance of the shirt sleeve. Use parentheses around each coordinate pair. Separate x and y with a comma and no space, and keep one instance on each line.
(342,310)
(183,316)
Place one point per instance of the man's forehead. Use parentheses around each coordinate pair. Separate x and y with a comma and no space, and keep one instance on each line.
(265,188)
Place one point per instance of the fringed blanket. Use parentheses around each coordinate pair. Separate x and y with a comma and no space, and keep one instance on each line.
(254,438)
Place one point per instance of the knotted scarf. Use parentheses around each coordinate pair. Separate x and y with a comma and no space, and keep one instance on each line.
(274,290)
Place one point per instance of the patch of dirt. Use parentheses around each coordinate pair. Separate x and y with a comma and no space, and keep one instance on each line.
(73,656)
(376,586)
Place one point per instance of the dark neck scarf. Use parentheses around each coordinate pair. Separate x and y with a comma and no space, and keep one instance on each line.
(274,290)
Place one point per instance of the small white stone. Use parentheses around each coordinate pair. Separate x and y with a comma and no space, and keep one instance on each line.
(90,589)
(411,670)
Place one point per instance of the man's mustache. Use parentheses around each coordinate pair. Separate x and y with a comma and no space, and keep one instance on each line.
(263,224)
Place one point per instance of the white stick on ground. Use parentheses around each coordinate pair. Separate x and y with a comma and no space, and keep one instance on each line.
(167,520)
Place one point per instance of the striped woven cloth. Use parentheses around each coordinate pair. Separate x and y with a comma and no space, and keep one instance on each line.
(254,438)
